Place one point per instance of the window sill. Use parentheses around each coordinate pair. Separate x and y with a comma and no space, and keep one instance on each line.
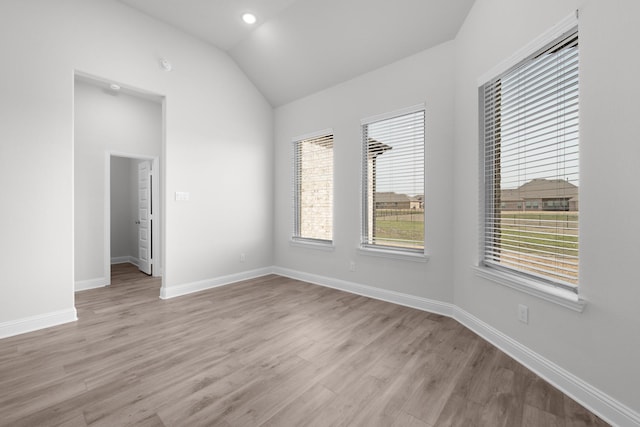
(387,253)
(558,296)
(309,244)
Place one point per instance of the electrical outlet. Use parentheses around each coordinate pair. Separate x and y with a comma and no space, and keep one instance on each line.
(242,257)
(352,266)
(523,313)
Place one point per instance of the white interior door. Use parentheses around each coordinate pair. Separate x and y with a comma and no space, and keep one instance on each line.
(145,217)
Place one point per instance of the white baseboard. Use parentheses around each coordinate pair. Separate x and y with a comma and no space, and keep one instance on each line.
(34,323)
(125,259)
(202,285)
(399,298)
(601,404)
(83,285)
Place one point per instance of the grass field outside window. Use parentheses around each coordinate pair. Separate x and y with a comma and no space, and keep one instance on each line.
(535,240)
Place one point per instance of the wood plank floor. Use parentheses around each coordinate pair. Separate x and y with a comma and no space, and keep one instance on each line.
(265,352)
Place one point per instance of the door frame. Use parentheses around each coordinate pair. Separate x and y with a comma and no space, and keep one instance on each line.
(159,180)
(156,206)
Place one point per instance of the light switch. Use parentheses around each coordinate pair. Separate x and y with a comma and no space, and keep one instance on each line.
(182,196)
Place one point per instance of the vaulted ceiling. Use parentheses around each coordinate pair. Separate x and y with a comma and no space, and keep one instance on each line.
(298,47)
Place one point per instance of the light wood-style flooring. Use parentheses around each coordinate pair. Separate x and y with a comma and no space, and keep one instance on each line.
(265,352)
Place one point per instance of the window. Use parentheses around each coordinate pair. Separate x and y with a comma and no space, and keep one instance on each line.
(529,133)
(313,188)
(393,180)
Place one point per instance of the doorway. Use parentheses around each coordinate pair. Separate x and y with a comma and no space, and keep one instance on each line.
(125,124)
(133,211)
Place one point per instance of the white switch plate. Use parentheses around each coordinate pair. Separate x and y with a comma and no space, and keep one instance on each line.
(182,196)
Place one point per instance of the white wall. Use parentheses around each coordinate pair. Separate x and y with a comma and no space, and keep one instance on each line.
(600,345)
(423,78)
(123,213)
(105,122)
(215,121)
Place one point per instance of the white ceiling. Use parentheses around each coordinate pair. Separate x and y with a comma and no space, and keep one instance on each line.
(299,47)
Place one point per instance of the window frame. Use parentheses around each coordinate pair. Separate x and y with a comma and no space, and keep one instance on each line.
(387,251)
(543,289)
(296,238)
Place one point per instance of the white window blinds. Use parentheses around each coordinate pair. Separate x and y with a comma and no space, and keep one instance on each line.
(393,180)
(313,188)
(529,127)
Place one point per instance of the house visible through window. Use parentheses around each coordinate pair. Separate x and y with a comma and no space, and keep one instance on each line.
(529,122)
(313,188)
(393,181)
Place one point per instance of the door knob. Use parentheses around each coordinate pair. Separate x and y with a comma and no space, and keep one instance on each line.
(137,222)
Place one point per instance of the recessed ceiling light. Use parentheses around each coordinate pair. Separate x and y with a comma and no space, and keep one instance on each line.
(249,18)
(114,86)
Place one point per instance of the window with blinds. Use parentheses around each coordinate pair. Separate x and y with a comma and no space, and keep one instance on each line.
(529,127)
(393,180)
(313,188)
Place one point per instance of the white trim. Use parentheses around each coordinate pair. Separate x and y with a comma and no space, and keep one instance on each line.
(523,53)
(34,323)
(99,282)
(202,285)
(73,183)
(313,135)
(106,254)
(396,113)
(603,405)
(126,88)
(125,259)
(310,244)
(562,297)
(399,298)
(120,259)
(394,254)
